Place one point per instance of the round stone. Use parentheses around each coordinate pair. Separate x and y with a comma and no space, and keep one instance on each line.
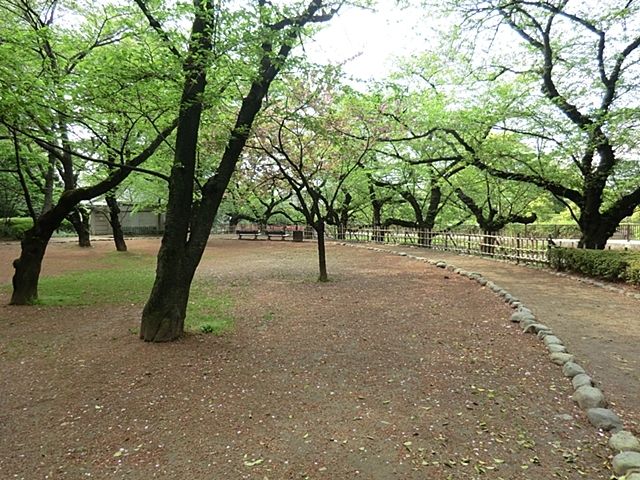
(571,369)
(624,441)
(521,316)
(581,380)
(589,397)
(560,358)
(604,418)
(552,339)
(556,348)
(625,461)
(535,328)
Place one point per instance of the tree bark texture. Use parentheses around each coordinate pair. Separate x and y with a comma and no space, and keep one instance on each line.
(28,265)
(165,311)
(322,254)
(188,223)
(80,221)
(114,221)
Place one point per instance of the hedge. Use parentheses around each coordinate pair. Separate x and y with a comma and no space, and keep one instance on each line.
(613,265)
(14,228)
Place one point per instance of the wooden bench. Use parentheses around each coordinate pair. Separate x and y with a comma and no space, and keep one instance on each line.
(248,233)
(276,233)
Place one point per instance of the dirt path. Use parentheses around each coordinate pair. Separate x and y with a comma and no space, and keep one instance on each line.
(394,369)
(602,328)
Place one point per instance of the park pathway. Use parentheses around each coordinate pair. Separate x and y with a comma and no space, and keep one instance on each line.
(600,327)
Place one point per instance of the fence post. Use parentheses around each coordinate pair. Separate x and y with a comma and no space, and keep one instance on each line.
(518,245)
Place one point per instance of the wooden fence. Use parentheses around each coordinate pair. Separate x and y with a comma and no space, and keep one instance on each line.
(516,249)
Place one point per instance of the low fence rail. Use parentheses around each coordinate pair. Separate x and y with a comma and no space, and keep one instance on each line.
(516,249)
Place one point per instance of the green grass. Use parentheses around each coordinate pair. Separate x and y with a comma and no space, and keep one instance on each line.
(208,312)
(127,278)
(121,278)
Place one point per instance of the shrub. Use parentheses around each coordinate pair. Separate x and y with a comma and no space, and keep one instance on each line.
(14,228)
(614,265)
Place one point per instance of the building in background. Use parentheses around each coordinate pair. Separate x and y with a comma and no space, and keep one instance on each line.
(134,222)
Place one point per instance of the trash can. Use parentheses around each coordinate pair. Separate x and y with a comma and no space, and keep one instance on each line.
(297,235)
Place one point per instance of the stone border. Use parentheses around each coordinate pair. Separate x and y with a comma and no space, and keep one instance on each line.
(626,462)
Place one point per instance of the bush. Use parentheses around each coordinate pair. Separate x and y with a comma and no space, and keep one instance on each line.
(14,228)
(613,265)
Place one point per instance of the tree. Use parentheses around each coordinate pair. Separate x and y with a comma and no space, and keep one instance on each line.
(586,62)
(63,88)
(190,210)
(308,153)
(494,203)
(114,221)
(422,192)
(257,194)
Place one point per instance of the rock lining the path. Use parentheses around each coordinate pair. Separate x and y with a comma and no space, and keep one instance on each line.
(589,397)
(626,462)
(556,348)
(560,358)
(571,369)
(624,441)
(581,380)
(552,339)
(604,418)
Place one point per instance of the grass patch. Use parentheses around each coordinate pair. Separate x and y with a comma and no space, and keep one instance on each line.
(119,278)
(208,312)
(124,277)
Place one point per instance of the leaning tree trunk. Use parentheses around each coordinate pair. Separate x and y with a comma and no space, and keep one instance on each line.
(322,255)
(188,225)
(80,221)
(114,221)
(28,265)
(27,271)
(165,312)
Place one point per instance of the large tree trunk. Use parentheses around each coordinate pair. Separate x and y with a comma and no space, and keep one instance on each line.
(322,255)
(80,221)
(28,265)
(378,233)
(27,271)
(114,221)
(488,242)
(188,225)
(596,231)
(164,313)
